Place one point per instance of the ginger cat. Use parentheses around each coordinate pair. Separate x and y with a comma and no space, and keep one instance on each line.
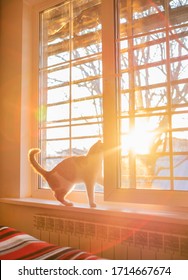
(73,170)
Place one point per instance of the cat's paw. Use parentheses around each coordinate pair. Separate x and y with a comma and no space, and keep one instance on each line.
(63,201)
(68,203)
(93,205)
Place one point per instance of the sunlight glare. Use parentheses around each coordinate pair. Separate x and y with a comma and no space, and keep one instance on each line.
(138,140)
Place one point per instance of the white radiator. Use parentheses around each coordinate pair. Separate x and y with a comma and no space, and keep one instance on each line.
(109,241)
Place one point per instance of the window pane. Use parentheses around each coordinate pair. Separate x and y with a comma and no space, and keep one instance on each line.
(87,88)
(151,53)
(151,98)
(179,93)
(180,141)
(58,76)
(70,79)
(57,132)
(56,148)
(57,95)
(150,76)
(180,120)
(59,112)
(86,108)
(153,88)
(86,130)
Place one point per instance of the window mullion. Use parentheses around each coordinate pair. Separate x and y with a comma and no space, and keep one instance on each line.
(109,96)
(132,156)
(169,104)
(71,31)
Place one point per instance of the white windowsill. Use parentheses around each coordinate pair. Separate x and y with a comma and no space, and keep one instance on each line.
(134,211)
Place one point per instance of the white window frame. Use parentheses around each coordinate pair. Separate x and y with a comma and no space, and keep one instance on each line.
(37,192)
(111,192)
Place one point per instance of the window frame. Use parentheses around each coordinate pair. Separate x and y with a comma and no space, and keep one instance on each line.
(110,84)
(112,192)
(37,8)
(44,193)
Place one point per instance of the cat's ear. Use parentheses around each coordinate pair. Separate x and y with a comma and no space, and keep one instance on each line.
(99,145)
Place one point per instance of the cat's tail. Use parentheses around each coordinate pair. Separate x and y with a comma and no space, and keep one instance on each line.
(37,167)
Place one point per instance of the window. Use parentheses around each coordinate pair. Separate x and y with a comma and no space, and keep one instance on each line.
(150,119)
(70,80)
(128,86)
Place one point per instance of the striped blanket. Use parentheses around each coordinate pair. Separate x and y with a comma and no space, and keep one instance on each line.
(16,245)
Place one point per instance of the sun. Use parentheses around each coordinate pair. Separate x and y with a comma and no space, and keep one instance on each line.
(139,141)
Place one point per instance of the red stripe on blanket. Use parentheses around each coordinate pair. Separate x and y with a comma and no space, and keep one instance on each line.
(15,245)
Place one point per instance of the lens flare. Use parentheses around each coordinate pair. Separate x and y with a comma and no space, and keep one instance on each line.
(138,141)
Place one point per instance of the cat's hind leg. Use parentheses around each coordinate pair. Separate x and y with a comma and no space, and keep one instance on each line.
(60,195)
(61,198)
(60,187)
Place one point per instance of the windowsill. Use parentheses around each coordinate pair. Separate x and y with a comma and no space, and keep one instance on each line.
(134,211)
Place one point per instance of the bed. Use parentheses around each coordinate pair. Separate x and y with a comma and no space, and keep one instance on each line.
(16,245)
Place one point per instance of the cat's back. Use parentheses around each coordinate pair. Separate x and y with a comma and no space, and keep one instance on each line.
(71,167)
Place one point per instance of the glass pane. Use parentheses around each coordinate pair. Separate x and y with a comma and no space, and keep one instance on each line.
(146,16)
(124,59)
(87,28)
(153,93)
(151,98)
(145,172)
(57,132)
(70,79)
(87,130)
(59,112)
(85,70)
(125,81)
(180,141)
(180,166)
(181,185)
(178,46)
(179,93)
(155,125)
(180,120)
(179,69)
(83,145)
(150,54)
(55,35)
(57,148)
(125,180)
(162,166)
(85,89)
(150,76)
(124,103)
(124,125)
(60,94)
(150,39)
(86,108)
(175,4)
(161,184)
(58,76)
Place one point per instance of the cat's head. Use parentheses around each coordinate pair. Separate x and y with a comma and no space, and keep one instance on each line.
(97,148)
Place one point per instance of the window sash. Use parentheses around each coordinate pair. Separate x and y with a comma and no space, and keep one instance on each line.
(63,74)
(112,128)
